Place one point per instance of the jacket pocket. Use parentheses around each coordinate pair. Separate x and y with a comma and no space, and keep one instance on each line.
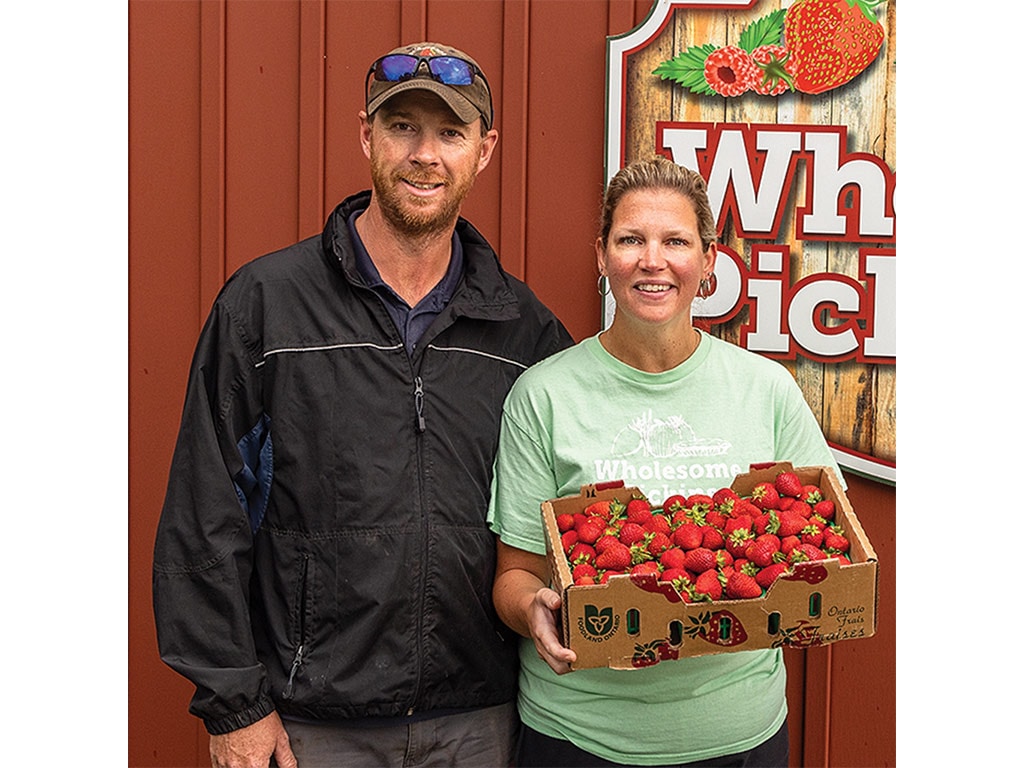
(303,620)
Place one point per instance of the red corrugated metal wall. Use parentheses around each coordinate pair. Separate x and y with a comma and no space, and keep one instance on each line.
(243,136)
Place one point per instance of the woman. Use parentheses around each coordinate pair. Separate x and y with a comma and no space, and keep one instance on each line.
(650,397)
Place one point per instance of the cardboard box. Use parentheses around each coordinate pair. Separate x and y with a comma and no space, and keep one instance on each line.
(633,622)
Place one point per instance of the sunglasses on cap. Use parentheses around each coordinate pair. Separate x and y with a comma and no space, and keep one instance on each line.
(446,69)
(450,70)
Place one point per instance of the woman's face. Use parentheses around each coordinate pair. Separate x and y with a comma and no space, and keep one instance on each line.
(653,257)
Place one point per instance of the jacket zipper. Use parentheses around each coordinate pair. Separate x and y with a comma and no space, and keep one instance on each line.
(421,423)
(289,688)
(421,427)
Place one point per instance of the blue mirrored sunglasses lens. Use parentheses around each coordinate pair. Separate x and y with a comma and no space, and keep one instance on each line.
(451,71)
(394,68)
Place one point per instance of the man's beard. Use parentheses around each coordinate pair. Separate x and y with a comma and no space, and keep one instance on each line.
(405,213)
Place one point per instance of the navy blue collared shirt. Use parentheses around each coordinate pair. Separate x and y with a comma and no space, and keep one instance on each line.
(412,322)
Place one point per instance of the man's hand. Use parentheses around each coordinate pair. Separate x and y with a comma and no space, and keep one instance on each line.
(252,746)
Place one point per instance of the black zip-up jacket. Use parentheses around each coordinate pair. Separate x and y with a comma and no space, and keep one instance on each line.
(323,548)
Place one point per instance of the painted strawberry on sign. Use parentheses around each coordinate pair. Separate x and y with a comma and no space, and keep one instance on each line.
(831,41)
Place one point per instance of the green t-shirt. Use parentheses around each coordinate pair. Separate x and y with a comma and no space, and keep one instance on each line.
(581,417)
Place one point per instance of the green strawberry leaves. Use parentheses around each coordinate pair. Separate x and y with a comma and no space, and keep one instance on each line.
(765,31)
(687,69)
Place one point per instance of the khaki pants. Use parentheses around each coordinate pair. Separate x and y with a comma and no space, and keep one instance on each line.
(482,738)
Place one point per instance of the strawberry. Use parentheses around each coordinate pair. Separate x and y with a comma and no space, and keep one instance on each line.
(699,560)
(835,541)
(805,553)
(761,551)
(658,524)
(788,544)
(712,538)
(569,539)
(615,557)
(724,499)
(708,586)
(677,577)
(790,523)
(590,530)
(673,504)
(741,523)
(673,558)
(688,536)
(826,509)
(565,522)
(649,566)
(657,542)
(831,41)
(582,553)
(813,535)
(583,570)
(638,511)
(631,533)
(700,502)
(811,494)
(767,576)
(600,509)
(741,586)
(764,496)
(714,518)
(743,507)
(802,508)
(737,541)
(788,484)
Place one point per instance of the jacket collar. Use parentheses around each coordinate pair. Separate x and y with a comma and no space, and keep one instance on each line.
(485,291)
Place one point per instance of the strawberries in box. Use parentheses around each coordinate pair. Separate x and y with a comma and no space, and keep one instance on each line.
(653,594)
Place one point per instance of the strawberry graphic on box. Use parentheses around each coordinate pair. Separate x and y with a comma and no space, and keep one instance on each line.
(717,627)
(812,47)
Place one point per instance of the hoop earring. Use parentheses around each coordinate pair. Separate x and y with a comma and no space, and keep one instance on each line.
(602,287)
(707,286)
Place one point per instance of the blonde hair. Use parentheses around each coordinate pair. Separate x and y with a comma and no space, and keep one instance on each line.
(660,173)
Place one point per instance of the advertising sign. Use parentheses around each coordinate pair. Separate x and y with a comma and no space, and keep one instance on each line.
(787,109)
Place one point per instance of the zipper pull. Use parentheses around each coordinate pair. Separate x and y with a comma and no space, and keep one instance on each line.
(296,663)
(421,424)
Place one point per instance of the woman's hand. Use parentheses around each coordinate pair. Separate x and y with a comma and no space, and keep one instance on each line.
(543,619)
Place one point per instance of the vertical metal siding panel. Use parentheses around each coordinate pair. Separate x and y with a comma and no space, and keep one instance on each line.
(817,711)
(312,99)
(163,307)
(862,731)
(212,87)
(564,168)
(513,119)
(414,22)
(262,144)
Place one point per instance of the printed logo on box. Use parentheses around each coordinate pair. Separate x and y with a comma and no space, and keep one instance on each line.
(598,624)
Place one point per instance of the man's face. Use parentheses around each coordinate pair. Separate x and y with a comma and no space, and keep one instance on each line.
(423,161)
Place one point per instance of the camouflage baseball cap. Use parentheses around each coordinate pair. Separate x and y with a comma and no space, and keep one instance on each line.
(441,69)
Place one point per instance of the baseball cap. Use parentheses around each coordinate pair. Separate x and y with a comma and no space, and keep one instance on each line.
(441,69)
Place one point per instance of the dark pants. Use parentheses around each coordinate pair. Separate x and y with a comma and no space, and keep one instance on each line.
(535,750)
(482,738)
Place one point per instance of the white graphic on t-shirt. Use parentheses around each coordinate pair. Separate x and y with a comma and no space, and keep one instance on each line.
(664,438)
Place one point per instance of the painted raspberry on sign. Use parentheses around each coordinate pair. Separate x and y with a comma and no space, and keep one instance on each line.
(812,47)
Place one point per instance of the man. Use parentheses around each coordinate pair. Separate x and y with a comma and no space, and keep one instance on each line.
(323,565)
